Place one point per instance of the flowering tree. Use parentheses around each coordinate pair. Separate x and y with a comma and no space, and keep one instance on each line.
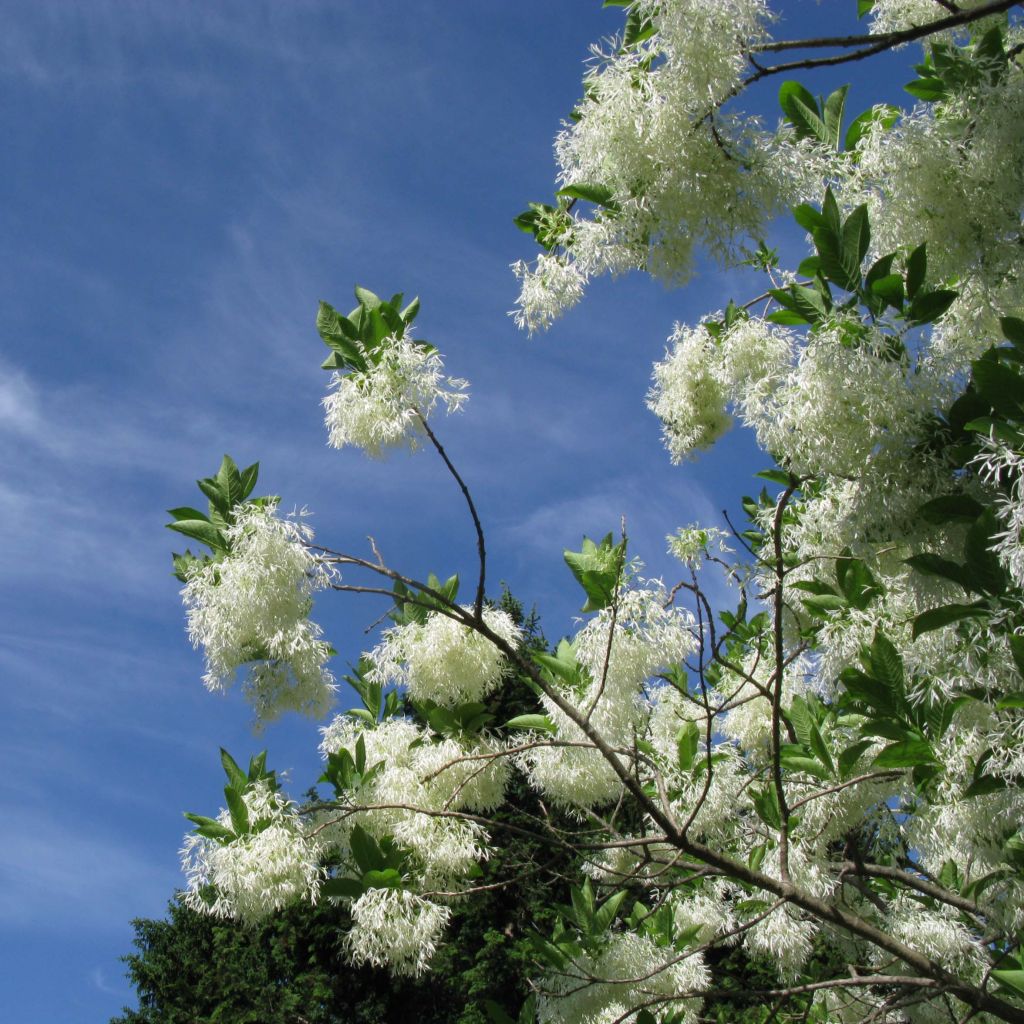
(828,775)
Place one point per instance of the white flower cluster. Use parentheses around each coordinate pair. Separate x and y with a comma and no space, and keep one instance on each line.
(253,606)
(689,543)
(1000,463)
(899,15)
(687,395)
(784,939)
(821,407)
(724,176)
(950,177)
(443,660)
(550,286)
(720,809)
(647,637)
(395,928)
(422,777)
(381,408)
(257,874)
(633,971)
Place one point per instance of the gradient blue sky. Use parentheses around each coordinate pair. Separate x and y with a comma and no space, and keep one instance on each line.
(182,182)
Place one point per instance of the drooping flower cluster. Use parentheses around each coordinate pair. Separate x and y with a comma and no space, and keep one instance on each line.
(633,971)
(422,776)
(256,874)
(395,928)
(381,408)
(618,650)
(899,15)
(420,783)
(726,174)
(443,660)
(252,607)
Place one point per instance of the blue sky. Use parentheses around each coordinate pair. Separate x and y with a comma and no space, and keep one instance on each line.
(183,181)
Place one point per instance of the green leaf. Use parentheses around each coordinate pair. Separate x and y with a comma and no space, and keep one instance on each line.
(885,115)
(889,289)
(795,759)
(776,476)
(866,690)
(210,828)
(983,563)
(999,385)
(384,878)
(237,779)
(906,754)
(184,513)
(917,268)
(951,508)
(766,803)
(787,318)
(1012,981)
(1016,643)
(801,109)
(541,722)
(239,812)
(365,851)
(833,110)
(936,618)
(929,306)
(927,88)
(1013,329)
(930,564)
(808,217)
(601,195)
(820,605)
(201,530)
(342,888)
(367,299)
(598,569)
(856,582)
(820,748)
(495,1013)
(983,785)
(856,240)
(851,755)
(637,29)
(605,913)
(687,745)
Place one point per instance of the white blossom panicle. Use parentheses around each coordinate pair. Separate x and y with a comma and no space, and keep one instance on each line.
(725,176)
(381,408)
(998,463)
(632,971)
(253,606)
(689,543)
(647,637)
(950,176)
(783,939)
(396,929)
(443,660)
(258,874)
(900,15)
(548,288)
(938,933)
(705,910)
(687,395)
(745,710)
(421,776)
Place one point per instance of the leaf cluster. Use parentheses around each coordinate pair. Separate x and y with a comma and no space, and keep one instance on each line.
(225,491)
(356,340)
